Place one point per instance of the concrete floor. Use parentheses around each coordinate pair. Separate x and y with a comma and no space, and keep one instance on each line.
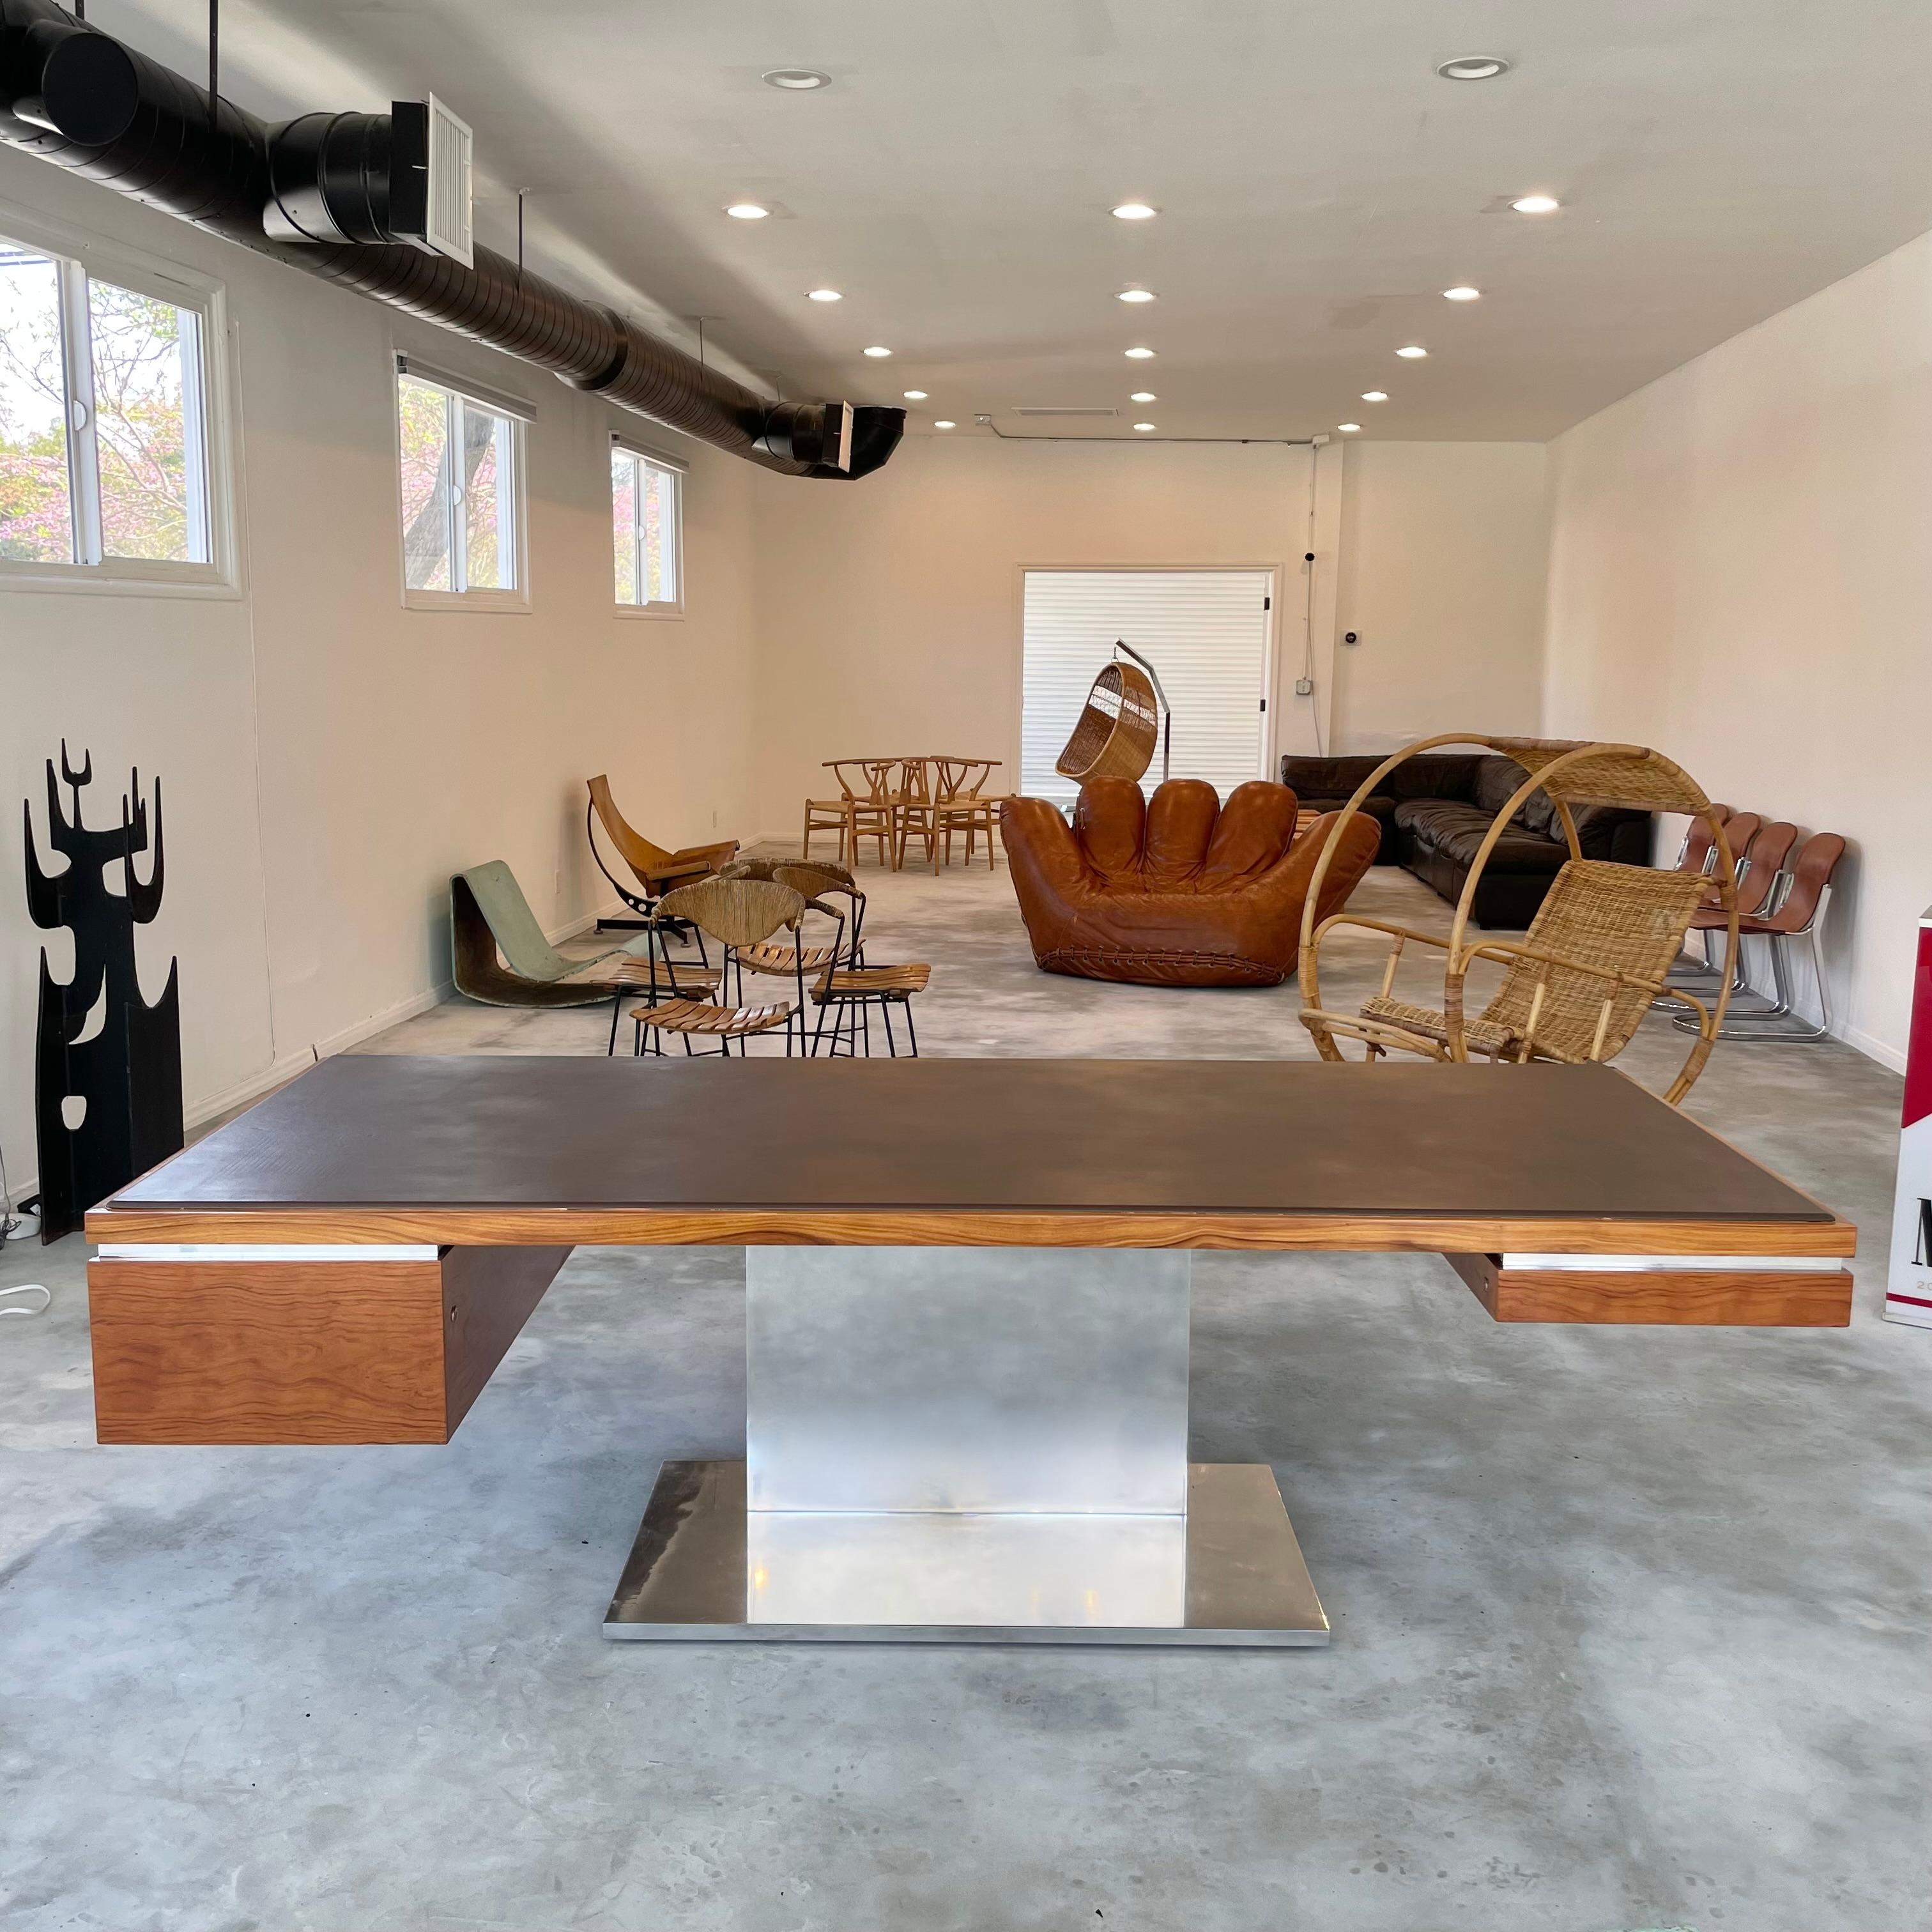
(1630,1626)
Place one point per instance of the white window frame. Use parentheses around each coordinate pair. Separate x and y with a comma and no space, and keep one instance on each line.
(79,257)
(518,414)
(678,471)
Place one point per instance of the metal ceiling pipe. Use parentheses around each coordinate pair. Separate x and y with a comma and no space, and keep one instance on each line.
(78,98)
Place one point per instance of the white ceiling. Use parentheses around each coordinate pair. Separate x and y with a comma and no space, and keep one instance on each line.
(1318,185)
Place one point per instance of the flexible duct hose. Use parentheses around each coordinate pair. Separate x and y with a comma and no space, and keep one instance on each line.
(79,99)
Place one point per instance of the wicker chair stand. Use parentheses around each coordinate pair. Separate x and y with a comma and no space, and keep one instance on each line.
(1577,987)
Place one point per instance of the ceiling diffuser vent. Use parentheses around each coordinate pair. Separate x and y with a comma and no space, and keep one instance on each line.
(1066,412)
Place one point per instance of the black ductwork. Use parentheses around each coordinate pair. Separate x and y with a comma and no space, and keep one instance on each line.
(78,98)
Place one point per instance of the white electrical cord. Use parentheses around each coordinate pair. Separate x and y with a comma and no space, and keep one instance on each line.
(11,1228)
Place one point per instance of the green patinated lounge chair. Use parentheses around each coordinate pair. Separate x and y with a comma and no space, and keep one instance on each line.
(503,959)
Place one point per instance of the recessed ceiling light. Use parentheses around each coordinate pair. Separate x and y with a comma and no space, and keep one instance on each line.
(1136,295)
(1474,67)
(915,395)
(1349,429)
(1141,355)
(943,423)
(1537,204)
(1462,291)
(1413,352)
(747,211)
(876,349)
(823,294)
(796,79)
(1143,396)
(1374,395)
(1144,427)
(1134,211)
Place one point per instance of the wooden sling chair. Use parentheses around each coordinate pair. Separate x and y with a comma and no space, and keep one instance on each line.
(1577,986)
(654,870)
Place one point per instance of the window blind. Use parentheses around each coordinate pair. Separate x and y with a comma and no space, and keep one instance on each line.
(1205,632)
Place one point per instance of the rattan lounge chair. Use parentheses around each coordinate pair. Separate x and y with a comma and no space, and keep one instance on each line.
(1577,986)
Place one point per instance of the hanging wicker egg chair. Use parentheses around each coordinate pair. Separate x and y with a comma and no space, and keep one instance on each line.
(1118,730)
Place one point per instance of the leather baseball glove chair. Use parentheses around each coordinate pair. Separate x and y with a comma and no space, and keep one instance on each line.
(1178,892)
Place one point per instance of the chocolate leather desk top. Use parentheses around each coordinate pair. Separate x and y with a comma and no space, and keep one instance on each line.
(1210,1136)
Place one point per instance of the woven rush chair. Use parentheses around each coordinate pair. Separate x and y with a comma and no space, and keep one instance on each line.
(798,962)
(1577,987)
(653,870)
(1118,728)
(738,914)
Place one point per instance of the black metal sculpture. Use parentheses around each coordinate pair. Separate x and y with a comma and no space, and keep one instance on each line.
(102,1049)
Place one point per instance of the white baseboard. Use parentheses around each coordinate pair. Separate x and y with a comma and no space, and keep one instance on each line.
(1871,1047)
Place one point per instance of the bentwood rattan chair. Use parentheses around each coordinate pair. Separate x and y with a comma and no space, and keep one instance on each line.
(1578,985)
(740,914)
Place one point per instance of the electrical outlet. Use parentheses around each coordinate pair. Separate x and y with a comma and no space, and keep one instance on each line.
(1304,687)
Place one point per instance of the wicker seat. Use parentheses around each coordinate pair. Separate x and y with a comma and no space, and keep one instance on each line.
(1596,956)
(1485,1036)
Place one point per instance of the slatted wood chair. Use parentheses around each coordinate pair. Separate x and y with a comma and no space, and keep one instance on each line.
(1578,985)
(739,914)
(848,995)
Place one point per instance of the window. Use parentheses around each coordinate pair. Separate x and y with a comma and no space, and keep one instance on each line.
(647,528)
(105,471)
(461,458)
(1206,632)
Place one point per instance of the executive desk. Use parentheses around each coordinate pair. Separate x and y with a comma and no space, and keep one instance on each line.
(967,1286)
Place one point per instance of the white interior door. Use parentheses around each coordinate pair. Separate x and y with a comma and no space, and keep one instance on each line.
(1206,633)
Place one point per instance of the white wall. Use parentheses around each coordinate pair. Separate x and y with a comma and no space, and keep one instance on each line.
(327,758)
(1741,575)
(890,609)
(1443,550)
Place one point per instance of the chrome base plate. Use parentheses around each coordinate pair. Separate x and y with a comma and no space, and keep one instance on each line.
(705,1569)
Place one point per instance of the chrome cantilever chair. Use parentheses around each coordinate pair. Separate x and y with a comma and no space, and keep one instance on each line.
(740,914)
(1795,909)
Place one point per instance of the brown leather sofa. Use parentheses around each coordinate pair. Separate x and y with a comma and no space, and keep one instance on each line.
(1180,891)
(1439,806)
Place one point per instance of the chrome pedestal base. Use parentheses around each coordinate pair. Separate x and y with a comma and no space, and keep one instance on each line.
(967,1444)
(705,1568)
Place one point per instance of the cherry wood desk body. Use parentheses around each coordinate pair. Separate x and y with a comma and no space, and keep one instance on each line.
(349,1260)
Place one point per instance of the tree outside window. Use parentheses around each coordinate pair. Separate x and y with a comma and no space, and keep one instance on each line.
(103,453)
(646,514)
